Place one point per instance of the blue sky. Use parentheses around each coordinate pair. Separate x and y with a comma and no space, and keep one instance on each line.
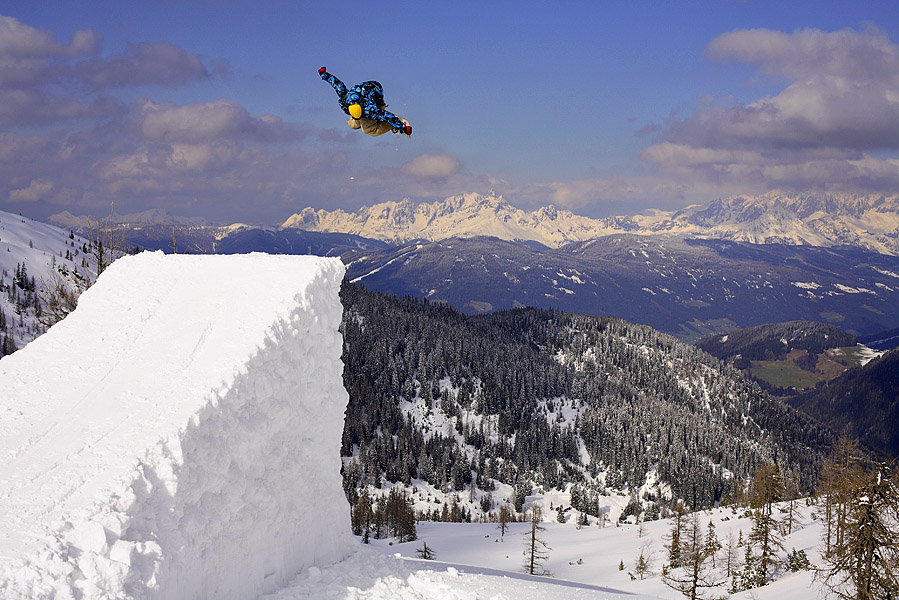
(215,109)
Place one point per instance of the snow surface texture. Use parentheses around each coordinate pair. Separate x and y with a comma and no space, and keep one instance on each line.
(369,576)
(168,438)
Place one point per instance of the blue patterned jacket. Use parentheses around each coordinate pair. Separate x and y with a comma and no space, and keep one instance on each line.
(369,95)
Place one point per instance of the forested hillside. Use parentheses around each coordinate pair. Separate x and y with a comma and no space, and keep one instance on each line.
(535,397)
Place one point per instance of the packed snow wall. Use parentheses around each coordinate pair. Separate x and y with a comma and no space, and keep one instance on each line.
(178,435)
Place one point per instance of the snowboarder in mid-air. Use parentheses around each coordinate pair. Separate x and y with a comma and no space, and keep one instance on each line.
(364,103)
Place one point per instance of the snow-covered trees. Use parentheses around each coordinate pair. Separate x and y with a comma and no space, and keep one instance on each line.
(766,489)
(391,515)
(60,294)
(693,575)
(674,544)
(534,398)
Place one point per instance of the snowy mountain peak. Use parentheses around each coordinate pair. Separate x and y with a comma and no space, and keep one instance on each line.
(464,215)
(870,221)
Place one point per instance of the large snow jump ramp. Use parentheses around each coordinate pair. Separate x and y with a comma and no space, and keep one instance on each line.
(178,435)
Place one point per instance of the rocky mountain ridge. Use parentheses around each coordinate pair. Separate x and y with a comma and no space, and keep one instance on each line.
(866,221)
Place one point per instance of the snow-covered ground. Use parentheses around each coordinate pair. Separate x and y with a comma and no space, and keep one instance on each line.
(473,562)
(177,435)
(370,575)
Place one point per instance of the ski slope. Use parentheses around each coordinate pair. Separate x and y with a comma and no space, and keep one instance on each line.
(45,252)
(474,562)
(169,438)
(584,561)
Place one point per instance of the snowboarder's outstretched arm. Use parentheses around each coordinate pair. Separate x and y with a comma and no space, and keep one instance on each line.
(337,84)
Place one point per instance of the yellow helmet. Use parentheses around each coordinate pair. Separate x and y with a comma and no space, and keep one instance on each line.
(355,111)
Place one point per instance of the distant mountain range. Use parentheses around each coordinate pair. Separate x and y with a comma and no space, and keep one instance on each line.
(828,220)
(736,262)
(156,216)
(870,222)
(240,239)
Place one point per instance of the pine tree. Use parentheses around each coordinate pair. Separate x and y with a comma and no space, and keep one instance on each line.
(643,564)
(765,536)
(361,514)
(674,538)
(536,550)
(8,346)
(504,518)
(694,576)
(582,520)
(839,476)
(731,554)
(425,552)
(791,492)
(399,515)
(747,578)
(522,489)
(864,564)
(765,490)
(712,545)
(797,560)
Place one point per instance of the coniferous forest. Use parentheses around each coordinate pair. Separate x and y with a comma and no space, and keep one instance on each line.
(534,398)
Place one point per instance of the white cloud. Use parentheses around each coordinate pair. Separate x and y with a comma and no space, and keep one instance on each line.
(26,52)
(207,121)
(147,63)
(821,130)
(18,39)
(431,166)
(809,53)
(37,190)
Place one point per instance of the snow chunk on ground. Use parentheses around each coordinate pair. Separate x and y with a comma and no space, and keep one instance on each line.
(169,438)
